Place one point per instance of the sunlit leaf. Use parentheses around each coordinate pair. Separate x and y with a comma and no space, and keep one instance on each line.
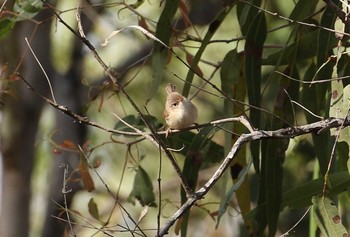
(327,217)
(27,8)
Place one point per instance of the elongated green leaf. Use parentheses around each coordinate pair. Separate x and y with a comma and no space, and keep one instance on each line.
(211,31)
(326,41)
(327,217)
(198,149)
(160,52)
(245,14)
(253,50)
(233,86)
(300,197)
(306,49)
(303,9)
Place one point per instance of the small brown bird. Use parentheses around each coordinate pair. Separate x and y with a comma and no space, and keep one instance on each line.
(179,111)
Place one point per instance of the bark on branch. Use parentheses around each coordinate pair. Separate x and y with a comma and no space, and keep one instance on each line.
(290,132)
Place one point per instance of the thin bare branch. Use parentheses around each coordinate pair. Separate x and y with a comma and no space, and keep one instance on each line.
(64,192)
(42,69)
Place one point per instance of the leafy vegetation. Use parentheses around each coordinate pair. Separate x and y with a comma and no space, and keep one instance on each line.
(269,78)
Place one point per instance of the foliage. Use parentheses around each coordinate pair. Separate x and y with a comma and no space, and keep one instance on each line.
(264,68)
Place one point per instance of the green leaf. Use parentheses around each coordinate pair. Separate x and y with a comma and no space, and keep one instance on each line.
(233,86)
(142,189)
(230,68)
(93,209)
(160,52)
(27,8)
(195,157)
(327,217)
(253,51)
(303,9)
(211,31)
(301,196)
(234,188)
(6,26)
(245,13)
(306,45)
(340,104)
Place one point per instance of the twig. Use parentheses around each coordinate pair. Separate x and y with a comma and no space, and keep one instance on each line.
(108,190)
(42,69)
(165,150)
(64,192)
(2,6)
(313,82)
(80,217)
(77,117)
(297,223)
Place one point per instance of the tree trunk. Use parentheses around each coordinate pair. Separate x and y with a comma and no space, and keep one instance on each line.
(20,117)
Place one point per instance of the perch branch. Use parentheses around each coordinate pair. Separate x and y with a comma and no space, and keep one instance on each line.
(290,132)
